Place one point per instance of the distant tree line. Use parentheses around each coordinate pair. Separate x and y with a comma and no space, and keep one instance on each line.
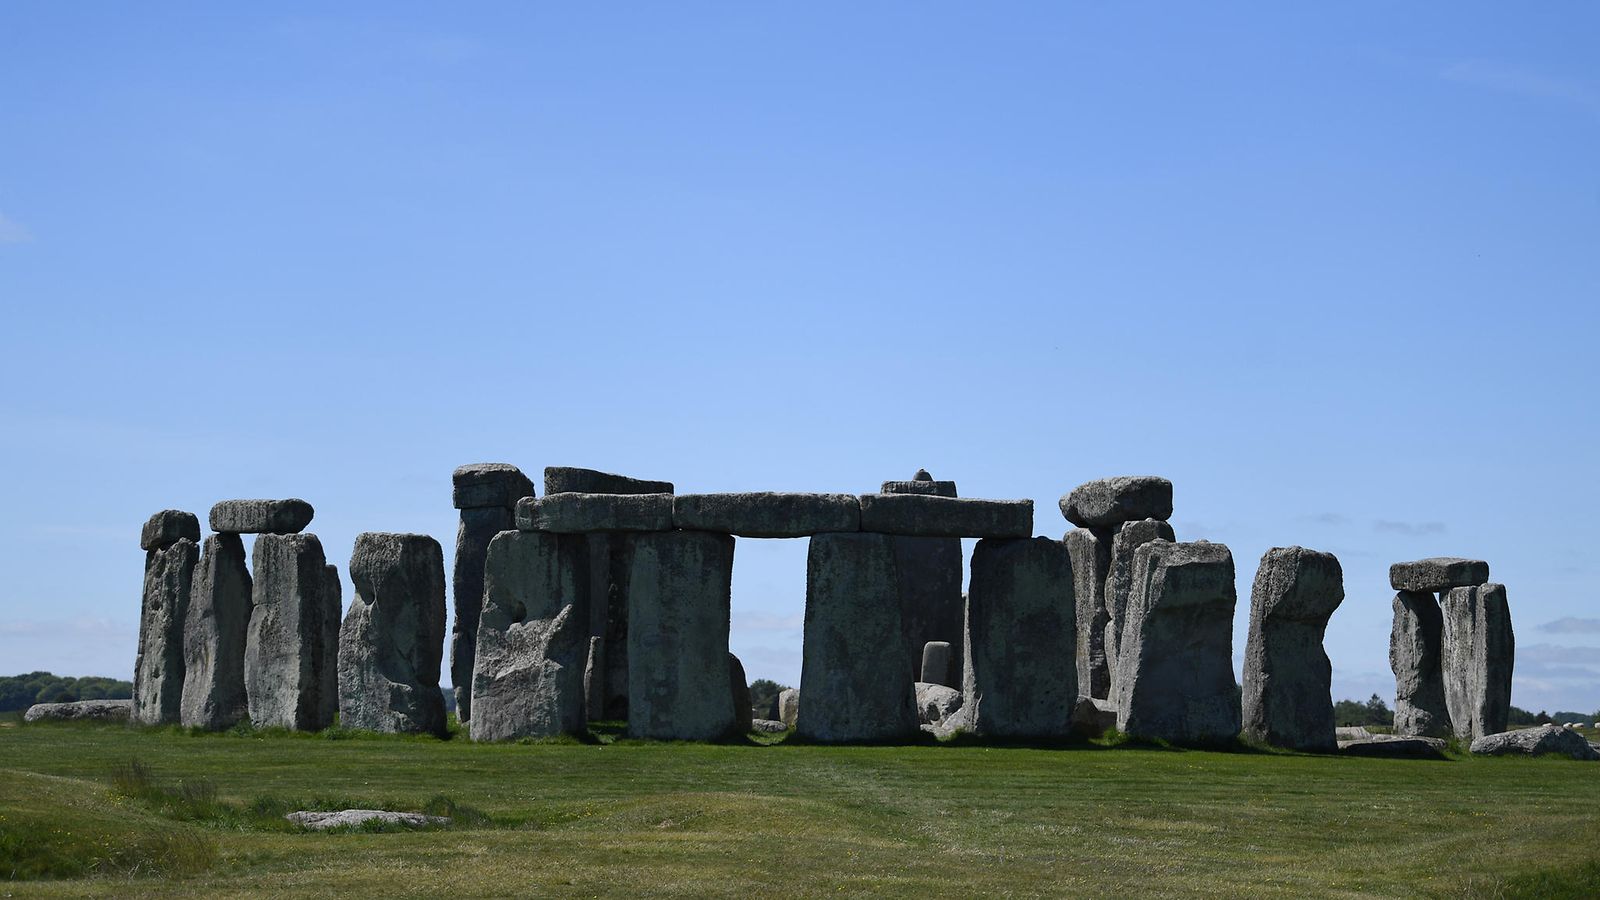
(22,691)
(1376,712)
(764,693)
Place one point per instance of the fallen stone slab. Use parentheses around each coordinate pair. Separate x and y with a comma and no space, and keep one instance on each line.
(1536,741)
(584,513)
(766,514)
(1092,717)
(1090,553)
(261,516)
(571,480)
(935,702)
(1351,733)
(1287,674)
(921,483)
(292,645)
(215,634)
(158,667)
(768,726)
(1439,573)
(925,515)
(478,527)
(80,711)
(167,527)
(1108,502)
(1415,641)
(350,818)
(1021,675)
(392,639)
(482,485)
(1477,653)
(1395,746)
(679,674)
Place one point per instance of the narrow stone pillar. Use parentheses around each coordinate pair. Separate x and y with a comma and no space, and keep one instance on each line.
(594,680)
(170,540)
(678,602)
(1126,540)
(854,671)
(1287,675)
(743,706)
(214,637)
(1021,677)
(291,652)
(487,495)
(1414,656)
(392,641)
(1090,551)
(1477,653)
(936,668)
(929,572)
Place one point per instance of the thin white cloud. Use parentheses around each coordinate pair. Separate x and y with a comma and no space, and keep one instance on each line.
(11,232)
(1413,528)
(1571,625)
(1513,80)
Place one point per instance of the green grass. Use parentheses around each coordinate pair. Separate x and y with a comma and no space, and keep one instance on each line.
(201,815)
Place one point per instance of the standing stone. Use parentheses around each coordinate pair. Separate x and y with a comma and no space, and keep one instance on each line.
(743,707)
(1090,552)
(678,603)
(1477,651)
(392,640)
(855,665)
(1125,543)
(1287,675)
(214,637)
(291,659)
(1109,502)
(487,495)
(332,610)
(488,486)
(789,706)
(1174,677)
(1021,676)
(594,680)
(929,570)
(936,664)
(158,668)
(533,637)
(1414,655)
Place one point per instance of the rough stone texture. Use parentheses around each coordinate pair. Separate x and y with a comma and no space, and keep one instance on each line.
(929,573)
(158,668)
(768,726)
(167,527)
(80,711)
(583,513)
(1092,717)
(594,681)
(1125,542)
(925,515)
(569,480)
(393,636)
(1287,675)
(935,702)
(855,657)
(478,528)
(261,516)
(214,636)
(1090,552)
(1174,678)
(485,485)
(1440,573)
(350,818)
(789,706)
(1536,741)
(1414,656)
(291,659)
(921,483)
(1021,676)
(1109,502)
(533,637)
(1477,653)
(678,672)
(936,663)
(1351,733)
(743,707)
(1395,746)
(767,514)
(610,568)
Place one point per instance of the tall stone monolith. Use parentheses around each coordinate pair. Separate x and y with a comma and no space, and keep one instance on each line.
(487,495)
(291,654)
(214,637)
(392,641)
(171,553)
(1090,552)
(1126,540)
(679,596)
(743,706)
(1287,675)
(1020,677)
(1414,656)
(1477,653)
(929,572)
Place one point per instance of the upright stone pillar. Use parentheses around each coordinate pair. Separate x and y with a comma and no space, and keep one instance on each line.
(1478,650)
(1174,677)
(214,637)
(929,571)
(1090,552)
(936,668)
(533,637)
(743,707)
(487,495)
(1021,677)
(1414,655)
(1126,540)
(678,604)
(392,641)
(854,671)
(291,652)
(594,680)
(1287,675)
(170,540)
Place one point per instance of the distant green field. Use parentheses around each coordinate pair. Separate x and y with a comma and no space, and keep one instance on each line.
(627,818)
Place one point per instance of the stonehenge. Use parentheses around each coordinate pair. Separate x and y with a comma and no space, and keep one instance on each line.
(1476,654)
(1125,543)
(169,540)
(214,636)
(260,516)
(1020,678)
(1414,654)
(1090,553)
(392,639)
(486,495)
(936,667)
(679,598)
(1287,675)
(291,650)
(1451,648)
(929,569)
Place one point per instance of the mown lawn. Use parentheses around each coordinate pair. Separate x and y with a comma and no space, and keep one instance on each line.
(631,818)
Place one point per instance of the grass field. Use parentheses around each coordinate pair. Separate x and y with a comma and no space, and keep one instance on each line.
(202,815)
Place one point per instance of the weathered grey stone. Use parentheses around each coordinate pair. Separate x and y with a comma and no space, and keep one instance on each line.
(1351,733)
(1536,741)
(1109,502)
(1287,675)
(1021,675)
(478,528)
(393,636)
(533,637)
(1090,552)
(214,636)
(484,485)
(678,602)
(936,663)
(1439,573)
(929,573)
(167,527)
(261,516)
(743,711)
(291,653)
(351,818)
(935,702)
(158,668)
(855,657)
(789,706)
(594,680)
(925,515)
(1414,656)
(1092,717)
(583,513)
(1125,542)
(610,568)
(768,726)
(767,514)
(1395,746)
(922,483)
(1174,677)
(569,480)
(80,711)
(1477,653)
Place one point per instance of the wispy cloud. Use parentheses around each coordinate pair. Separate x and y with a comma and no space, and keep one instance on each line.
(1572,625)
(1524,82)
(1410,528)
(12,232)
(1326,518)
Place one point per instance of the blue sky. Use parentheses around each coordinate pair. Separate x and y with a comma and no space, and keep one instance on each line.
(1331,270)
